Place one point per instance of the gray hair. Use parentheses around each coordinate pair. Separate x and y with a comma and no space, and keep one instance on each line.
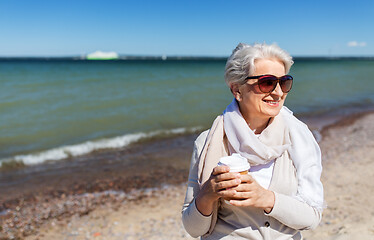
(241,63)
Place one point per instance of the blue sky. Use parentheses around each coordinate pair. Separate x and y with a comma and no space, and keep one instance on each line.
(185,27)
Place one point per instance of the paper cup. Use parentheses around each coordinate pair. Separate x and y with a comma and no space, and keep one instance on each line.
(236,162)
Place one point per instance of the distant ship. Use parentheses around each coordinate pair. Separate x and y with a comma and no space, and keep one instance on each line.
(99,55)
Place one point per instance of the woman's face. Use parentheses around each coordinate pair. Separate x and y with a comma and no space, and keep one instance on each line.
(255,104)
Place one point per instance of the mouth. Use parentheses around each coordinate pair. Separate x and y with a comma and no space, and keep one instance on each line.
(272,103)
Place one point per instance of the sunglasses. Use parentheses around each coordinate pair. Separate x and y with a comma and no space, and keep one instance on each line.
(267,83)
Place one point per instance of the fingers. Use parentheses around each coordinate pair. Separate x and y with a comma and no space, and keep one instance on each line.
(220,169)
(241,195)
(233,186)
(248,184)
(245,187)
(247,178)
(227,184)
(227,176)
(227,193)
(264,200)
(241,203)
(226,180)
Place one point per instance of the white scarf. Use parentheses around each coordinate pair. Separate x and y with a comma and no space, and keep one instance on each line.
(285,132)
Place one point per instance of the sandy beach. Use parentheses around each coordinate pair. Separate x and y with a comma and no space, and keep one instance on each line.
(154,212)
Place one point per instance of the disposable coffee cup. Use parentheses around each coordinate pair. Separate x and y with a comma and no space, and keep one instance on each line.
(236,162)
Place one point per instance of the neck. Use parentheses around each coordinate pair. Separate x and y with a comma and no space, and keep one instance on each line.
(256,124)
(259,126)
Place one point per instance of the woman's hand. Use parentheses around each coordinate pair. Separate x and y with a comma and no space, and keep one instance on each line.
(250,193)
(220,184)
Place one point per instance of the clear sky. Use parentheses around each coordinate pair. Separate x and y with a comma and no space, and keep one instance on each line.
(185,27)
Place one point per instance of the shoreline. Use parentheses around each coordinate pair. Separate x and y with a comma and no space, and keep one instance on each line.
(110,181)
(103,170)
(89,148)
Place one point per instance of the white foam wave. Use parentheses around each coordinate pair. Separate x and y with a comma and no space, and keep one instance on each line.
(90,146)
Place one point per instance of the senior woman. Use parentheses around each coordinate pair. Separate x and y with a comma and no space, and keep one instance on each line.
(283,193)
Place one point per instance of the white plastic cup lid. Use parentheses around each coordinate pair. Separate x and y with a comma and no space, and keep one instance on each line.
(236,162)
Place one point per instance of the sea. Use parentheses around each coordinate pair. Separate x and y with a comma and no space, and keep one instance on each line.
(53,109)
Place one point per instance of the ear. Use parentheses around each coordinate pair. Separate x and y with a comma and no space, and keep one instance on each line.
(234,87)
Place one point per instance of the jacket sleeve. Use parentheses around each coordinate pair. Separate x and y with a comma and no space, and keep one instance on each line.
(294,213)
(194,222)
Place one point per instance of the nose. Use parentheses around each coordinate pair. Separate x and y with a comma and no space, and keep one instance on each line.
(278,90)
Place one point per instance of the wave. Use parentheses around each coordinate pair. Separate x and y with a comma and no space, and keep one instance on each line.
(68,151)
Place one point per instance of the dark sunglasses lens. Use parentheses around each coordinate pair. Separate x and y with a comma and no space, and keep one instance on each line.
(286,83)
(267,83)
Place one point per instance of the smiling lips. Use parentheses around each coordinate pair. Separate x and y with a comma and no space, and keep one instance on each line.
(272,103)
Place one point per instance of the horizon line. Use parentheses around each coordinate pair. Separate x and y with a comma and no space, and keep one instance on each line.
(173,57)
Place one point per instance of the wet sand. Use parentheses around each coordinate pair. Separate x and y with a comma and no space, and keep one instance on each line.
(72,201)
(142,165)
(34,195)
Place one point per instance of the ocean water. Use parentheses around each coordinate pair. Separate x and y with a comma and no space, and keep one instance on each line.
(53,109)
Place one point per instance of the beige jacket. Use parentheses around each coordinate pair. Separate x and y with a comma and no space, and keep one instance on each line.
(285,221)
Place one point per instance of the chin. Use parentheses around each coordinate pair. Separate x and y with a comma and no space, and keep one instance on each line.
(272,112)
